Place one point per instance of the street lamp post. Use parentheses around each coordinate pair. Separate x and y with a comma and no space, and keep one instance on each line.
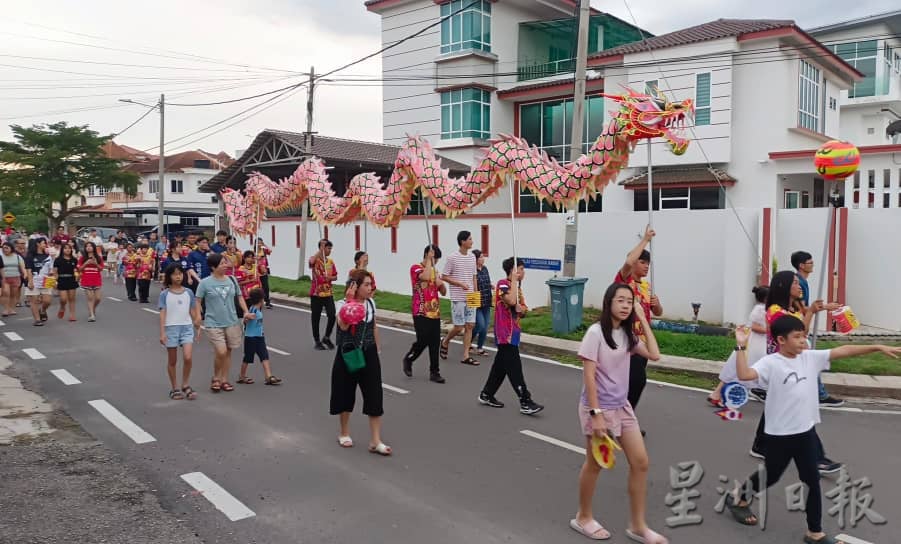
(161,210)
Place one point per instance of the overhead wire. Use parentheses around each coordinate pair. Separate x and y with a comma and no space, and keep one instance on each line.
(138,120)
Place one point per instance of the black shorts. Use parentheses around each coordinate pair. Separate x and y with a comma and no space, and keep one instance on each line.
(344,385)
(255,345)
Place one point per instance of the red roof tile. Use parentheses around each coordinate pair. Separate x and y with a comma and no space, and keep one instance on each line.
(714,30)
(181,161)
(680,176)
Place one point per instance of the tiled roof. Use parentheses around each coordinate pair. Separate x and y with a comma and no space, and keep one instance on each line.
(544,85)
(180,161)
(714,30)
(366,154)
(680,175)
(125,153)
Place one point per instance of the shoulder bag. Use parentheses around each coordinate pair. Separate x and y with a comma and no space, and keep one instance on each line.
(238,310)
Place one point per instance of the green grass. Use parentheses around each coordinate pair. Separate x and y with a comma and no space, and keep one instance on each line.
(668,376)
(538,322)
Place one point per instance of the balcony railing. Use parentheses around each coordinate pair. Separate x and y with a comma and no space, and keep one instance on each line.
(120,196)
(537,71)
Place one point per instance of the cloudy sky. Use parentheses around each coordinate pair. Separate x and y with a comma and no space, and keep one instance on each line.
(57,56)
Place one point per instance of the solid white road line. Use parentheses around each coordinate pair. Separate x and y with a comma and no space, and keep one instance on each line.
(554,441)
(280,352)
(395,389)
(851,540)
(151,311)
(117,418)
(14,336)
(65,377)
(573,367)
(224,501)
(33,353)
(114,299)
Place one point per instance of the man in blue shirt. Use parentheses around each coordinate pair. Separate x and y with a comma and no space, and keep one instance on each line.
(198,268)
(220,245)
(802,261)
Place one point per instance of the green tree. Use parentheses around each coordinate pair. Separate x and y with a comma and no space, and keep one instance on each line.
(47,165)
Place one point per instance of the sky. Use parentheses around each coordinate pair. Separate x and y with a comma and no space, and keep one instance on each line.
(210,51)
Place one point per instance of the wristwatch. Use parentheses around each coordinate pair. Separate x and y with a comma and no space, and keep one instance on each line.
(741,348)
(594,412)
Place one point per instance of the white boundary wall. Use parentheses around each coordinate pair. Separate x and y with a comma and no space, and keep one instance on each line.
(699,255)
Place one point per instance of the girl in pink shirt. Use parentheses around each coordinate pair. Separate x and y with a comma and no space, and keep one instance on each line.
(604,407)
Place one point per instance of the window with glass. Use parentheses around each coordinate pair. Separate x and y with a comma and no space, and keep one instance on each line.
(548,126)
(862,56)
(176,186)
(465,113)
(470,29)
(680,198)
(189,221)
(809,97)
(702,99)
(154,186)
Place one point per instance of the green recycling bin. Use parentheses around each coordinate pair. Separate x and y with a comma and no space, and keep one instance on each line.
(567,297)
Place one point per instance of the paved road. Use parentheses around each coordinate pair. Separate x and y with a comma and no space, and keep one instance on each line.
(461,472)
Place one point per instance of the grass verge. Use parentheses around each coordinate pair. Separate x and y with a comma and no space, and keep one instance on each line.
(668,376)
(538,322)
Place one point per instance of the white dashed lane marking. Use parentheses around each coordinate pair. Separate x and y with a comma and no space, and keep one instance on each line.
(395,389)
(114,299)
(224,501)
(280,352)
(14,336)
(151,311)
(65,377)
(118,419)
(554,441)
(33,353)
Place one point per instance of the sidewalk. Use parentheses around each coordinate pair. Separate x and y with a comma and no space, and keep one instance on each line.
(62,486)
(850,385)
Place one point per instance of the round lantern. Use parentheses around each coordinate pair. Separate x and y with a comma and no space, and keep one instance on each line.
(352,313)
(836,160)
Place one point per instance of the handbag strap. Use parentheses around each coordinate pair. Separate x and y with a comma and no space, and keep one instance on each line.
(369,304)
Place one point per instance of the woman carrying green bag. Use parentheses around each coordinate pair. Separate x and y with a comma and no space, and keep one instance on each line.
(347,372)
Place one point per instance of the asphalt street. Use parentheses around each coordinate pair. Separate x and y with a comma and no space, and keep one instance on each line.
(461,472)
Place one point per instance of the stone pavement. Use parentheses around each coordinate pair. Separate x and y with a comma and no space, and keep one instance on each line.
(851,385)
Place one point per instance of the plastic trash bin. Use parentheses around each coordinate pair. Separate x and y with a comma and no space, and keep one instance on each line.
(567,296)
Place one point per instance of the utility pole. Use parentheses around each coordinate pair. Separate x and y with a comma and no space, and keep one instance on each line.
(160,208)
(572,217)
(308,152)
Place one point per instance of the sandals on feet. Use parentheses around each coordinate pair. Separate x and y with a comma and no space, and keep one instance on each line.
(189,392)
(470,361)
(345,442)
(381,449)
(227,387)
(742,514)
(61,314)
(716,403)
(38,323)
(825,540)
(647,537)
(215,386)
(442,350)
(245,380)
(273,380)
(175,394)
(592,529)
(481,353)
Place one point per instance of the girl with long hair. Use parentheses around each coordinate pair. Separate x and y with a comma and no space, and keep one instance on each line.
(64,269)
(90,265)
(39,265)
(13,266)
(604,408)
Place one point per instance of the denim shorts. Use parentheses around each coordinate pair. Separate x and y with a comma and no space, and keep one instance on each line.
(461,314)
(179,335)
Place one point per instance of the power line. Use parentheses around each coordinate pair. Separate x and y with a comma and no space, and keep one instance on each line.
(103,63)
(138,120)
(289,87)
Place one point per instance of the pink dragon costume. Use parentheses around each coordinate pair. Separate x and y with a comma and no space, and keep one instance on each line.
(508,159)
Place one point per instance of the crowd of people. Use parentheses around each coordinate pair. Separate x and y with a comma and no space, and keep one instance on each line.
(223,291)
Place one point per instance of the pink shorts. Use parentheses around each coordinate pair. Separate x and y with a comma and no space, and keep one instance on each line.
(617,419)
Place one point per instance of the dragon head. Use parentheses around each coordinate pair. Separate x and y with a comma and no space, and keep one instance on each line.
(643,116)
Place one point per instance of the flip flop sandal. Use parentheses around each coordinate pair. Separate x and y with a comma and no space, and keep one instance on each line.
(72,320)
(215,386)
(648,537)
(245,380)
(44,316)
(381,449)
(345,442)
(592,529)
(61,314)
(227,387)
(742,514)
(825,540)
(176,394)
(470,361)
(715,403)
(482,353)
(273,380)
(189,393)
(442,351)
(38,323)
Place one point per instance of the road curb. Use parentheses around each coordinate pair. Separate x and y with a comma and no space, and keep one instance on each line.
(839,384)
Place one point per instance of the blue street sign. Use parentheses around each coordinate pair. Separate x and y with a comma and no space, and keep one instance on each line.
(542,264)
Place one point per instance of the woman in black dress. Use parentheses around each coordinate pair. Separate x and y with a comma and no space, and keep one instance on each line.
(66,283)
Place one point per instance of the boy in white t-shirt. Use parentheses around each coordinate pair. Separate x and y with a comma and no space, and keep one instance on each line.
(792,412)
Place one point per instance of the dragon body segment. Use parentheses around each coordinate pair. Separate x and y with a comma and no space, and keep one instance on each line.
(508,159)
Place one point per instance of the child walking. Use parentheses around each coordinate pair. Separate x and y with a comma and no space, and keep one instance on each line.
(604,408)
(179,322)
(792,413)
(756,346)
(255,341)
